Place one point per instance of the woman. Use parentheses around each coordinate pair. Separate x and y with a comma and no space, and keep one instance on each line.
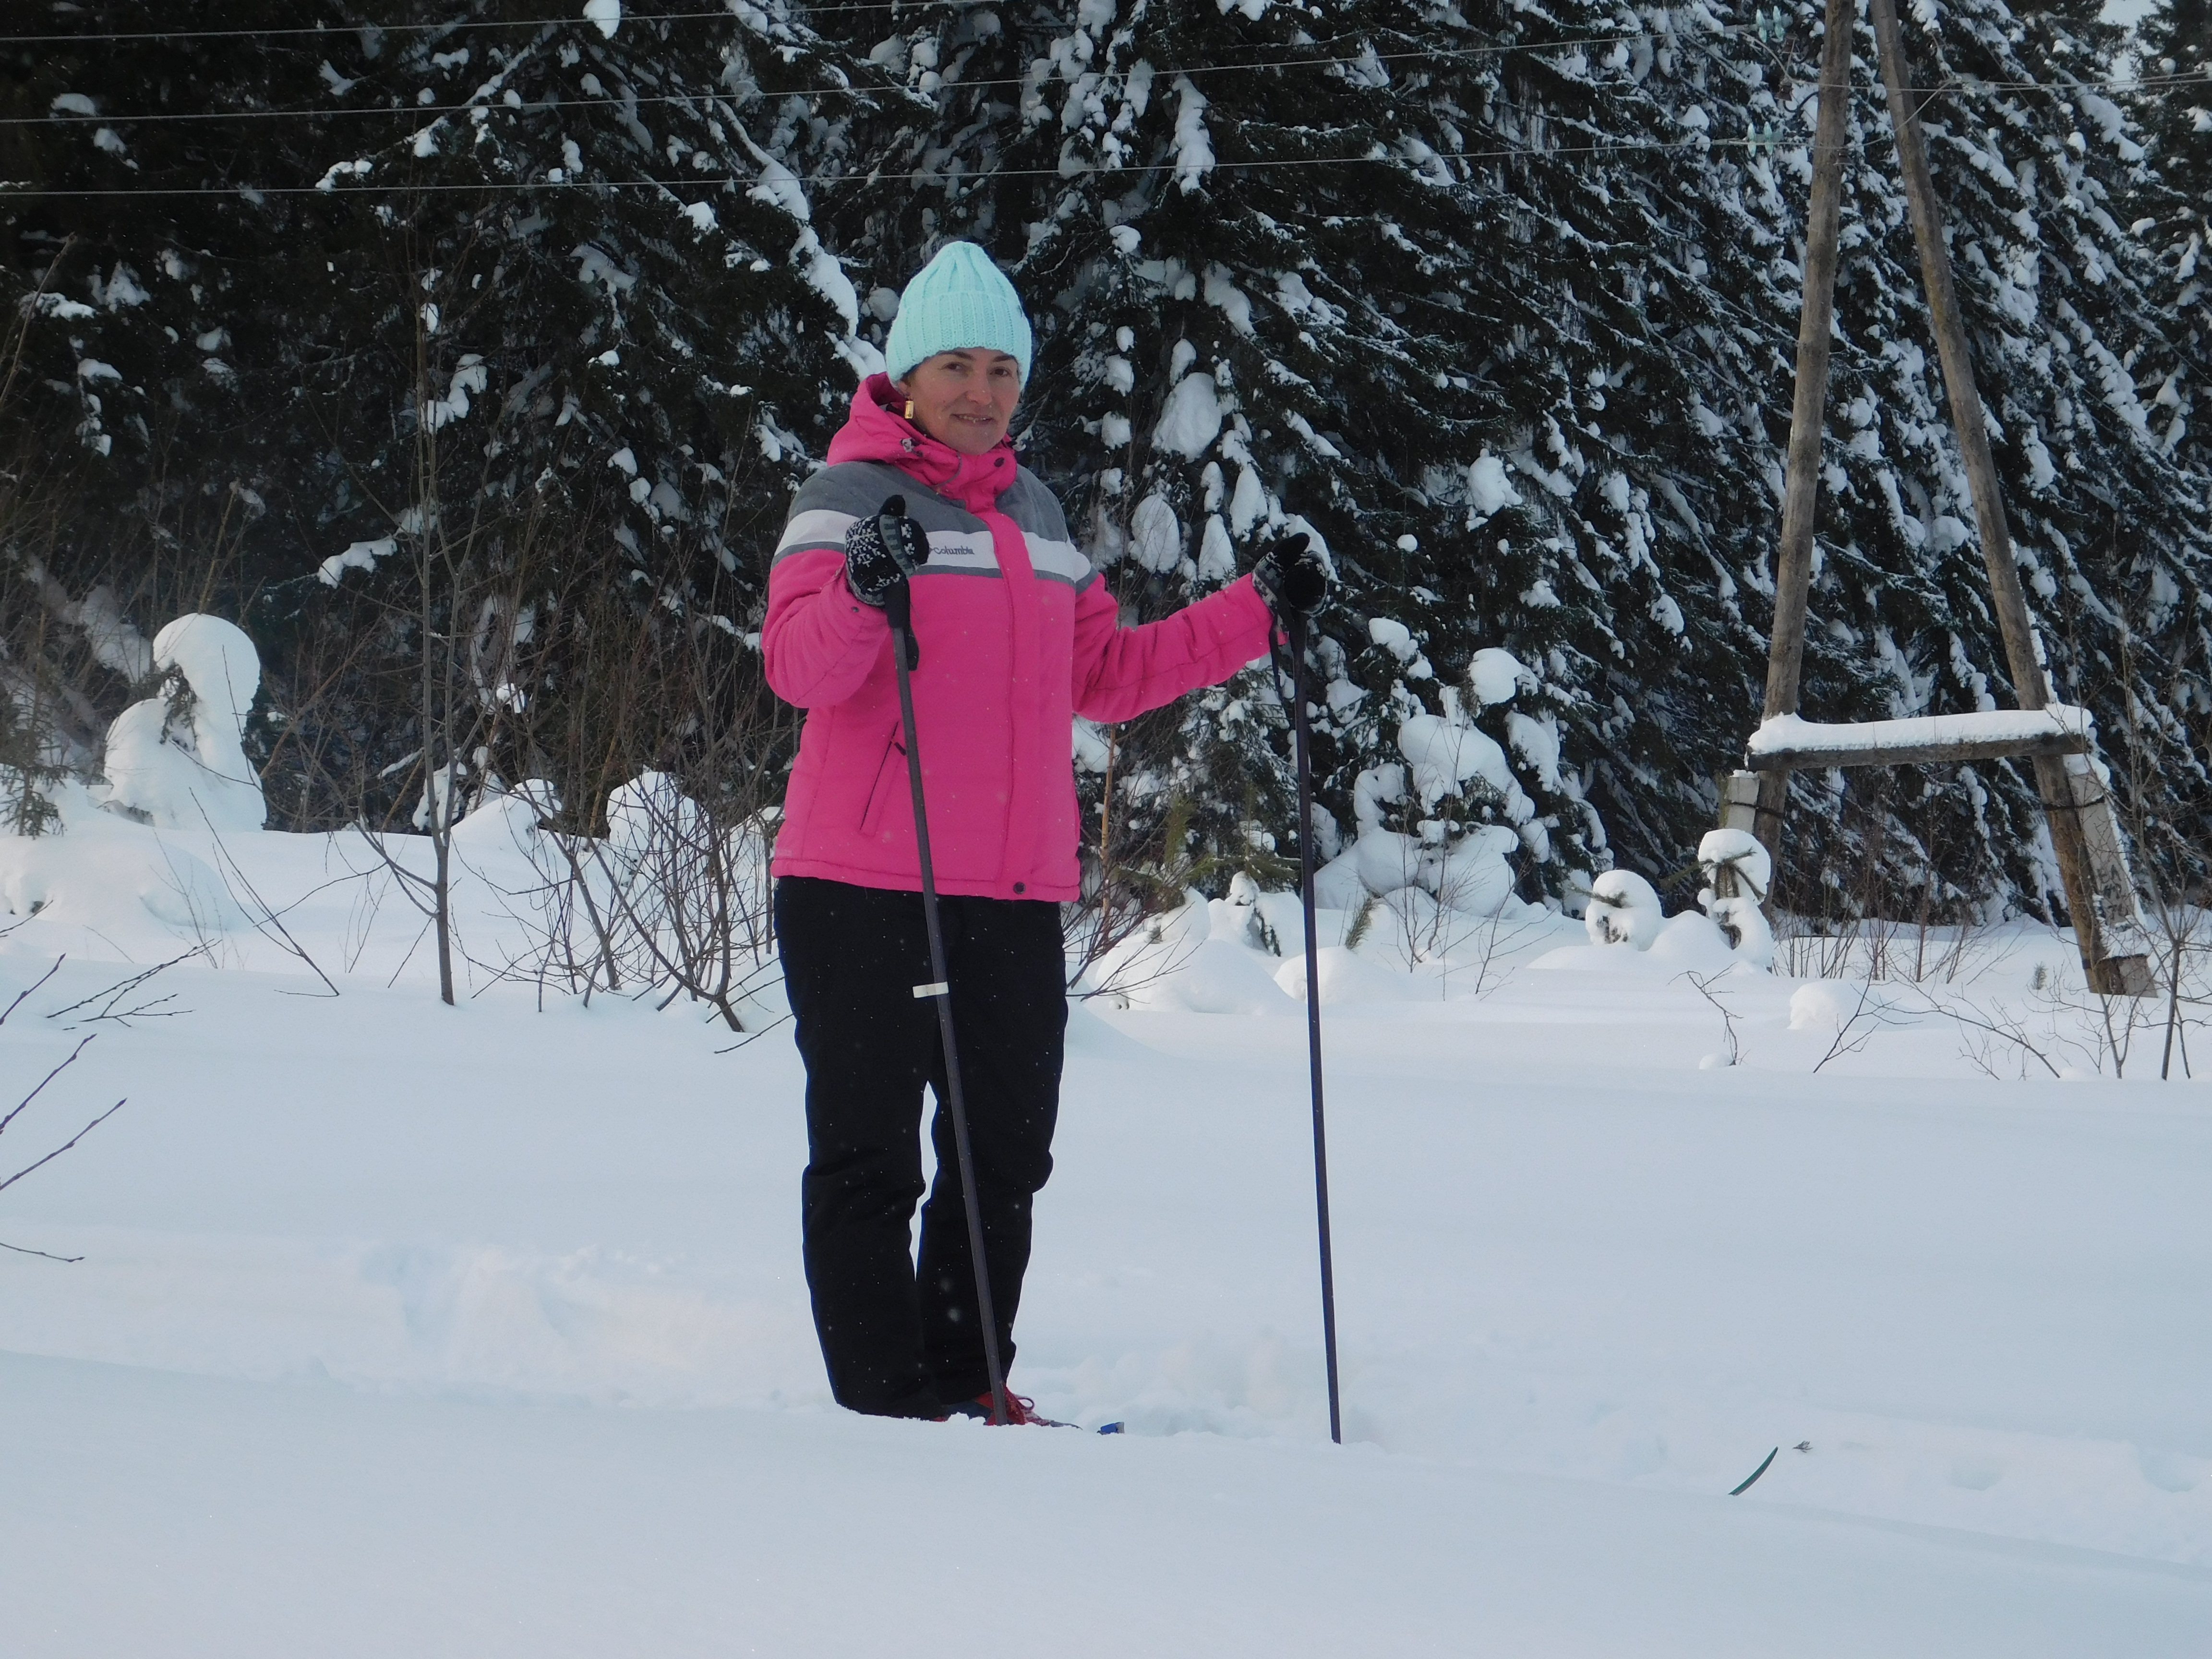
(1016,634)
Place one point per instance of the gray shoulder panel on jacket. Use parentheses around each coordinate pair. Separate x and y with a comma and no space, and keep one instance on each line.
(853,487)
(1040,507)
(828,504)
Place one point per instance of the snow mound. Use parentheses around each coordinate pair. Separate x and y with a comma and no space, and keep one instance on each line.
(1385,860)
(1338,884)
(1693,941)
(1217,976)
(508,818)
(1344,977)
(1174,961)
(1830,1004)
(119,883)
(1623,910)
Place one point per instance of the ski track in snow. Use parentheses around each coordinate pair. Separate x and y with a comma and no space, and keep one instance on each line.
(502,1305)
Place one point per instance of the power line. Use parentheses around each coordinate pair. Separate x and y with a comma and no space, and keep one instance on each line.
(785,92)
(452,27)
(581,21)
(11,191)
(528,107)
(1971,85)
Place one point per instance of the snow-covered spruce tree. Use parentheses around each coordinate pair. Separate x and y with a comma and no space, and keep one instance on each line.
(534,302)
(1270,294)
(1624,498)
(2173,105)
(1674,166)
(2173,101)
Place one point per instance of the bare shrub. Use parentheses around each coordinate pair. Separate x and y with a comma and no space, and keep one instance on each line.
(8,1118)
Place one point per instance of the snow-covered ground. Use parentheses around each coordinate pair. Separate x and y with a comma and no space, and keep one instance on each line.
(402,1328)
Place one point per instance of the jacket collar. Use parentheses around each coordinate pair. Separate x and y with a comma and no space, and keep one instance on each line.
(876,431)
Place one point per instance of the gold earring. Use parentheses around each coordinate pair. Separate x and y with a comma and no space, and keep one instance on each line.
(909,409)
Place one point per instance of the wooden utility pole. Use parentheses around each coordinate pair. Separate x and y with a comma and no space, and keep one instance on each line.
(2068,787)
(2085,833)
(1793,564)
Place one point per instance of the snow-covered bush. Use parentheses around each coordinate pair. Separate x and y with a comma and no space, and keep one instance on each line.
(175,759)
(1624,909)
(1206,957)
(1447,817)
(1738,872)
(1242,917)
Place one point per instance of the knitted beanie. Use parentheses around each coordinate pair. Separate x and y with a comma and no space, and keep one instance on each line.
(958,299)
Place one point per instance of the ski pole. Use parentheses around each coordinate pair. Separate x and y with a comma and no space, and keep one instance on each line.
(1301,745)
(906,656)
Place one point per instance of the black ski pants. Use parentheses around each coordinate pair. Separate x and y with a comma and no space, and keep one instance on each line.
(901,1336)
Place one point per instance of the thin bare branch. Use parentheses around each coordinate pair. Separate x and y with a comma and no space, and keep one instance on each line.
(16,1110)
(32,987)
(65,1145)
(21,1250)
(235,878)
(114,994)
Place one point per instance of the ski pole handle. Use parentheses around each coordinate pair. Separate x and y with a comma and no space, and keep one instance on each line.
(898,609)
(900,536)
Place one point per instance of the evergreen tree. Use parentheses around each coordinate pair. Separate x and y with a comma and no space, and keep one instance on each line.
(534,304)
(2173,100)
(1250,242)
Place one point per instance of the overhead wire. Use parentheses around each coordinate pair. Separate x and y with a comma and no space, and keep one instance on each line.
(450,27)
(581,21)
(726,13)
(1970,84)
(834,87)
(439,112)
(9,190)
(1769,142)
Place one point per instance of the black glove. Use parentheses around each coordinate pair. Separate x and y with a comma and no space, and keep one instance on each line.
(1292,575)
(882,551)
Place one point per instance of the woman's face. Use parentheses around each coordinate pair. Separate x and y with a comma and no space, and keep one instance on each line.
(966,397)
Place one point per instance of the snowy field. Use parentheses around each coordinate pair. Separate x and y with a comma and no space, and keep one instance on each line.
(408,1329)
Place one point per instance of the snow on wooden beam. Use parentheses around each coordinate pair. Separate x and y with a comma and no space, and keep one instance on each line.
(1787,744)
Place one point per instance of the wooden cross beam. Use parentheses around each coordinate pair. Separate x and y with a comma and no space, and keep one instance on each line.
(1787,744)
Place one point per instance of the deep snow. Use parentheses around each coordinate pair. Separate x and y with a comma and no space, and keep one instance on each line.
(481,1330)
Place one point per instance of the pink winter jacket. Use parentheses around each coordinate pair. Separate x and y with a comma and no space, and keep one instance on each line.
(1018,633)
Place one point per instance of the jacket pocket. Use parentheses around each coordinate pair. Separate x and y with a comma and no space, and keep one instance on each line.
(889,787)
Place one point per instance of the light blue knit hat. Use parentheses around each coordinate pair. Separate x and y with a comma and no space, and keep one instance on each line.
(958,299)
